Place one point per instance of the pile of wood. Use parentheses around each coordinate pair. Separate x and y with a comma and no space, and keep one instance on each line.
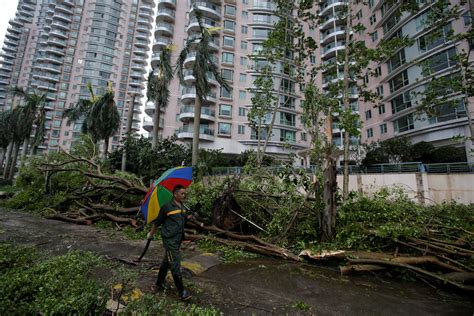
(428,258)
(84,205)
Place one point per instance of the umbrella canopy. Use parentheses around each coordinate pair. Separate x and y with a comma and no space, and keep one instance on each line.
(161,191)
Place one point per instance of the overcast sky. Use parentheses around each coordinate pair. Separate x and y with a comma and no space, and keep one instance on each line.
(7,11)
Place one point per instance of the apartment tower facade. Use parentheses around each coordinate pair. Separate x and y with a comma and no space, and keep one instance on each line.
(242,27)
(57,47)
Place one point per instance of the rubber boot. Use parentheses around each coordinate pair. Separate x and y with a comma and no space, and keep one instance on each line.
(161,279)
(183,294)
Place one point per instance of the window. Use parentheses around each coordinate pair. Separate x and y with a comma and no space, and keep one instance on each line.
(404,124)
(287,119)
(287,136)
(447,112)
(228,58)
(442,61)
(368,114)
(226,93)
(401,102)
(396,60)
(241,129)
(371,4)
(229,10)
(374,36)
(312,59)
(224,129)
(370,133)
(359,15)
(225,110)
(229,25)
(379,91)
(399,81)
(373,19)
(243,45)
(241,111)
(381,109)
(383,128)
(303,136)
(229,41)
(227,74)
(243,78)
(260,33)
(242,94)
(243,61)
(245,15)
(244,29)
(434,38)
(378,71)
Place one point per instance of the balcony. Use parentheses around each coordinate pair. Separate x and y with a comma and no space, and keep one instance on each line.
(192,57)
(45,76)
(62,17)
(51,58)
(208,23)
(136,83)
(330,51)
(59,33)
(145,22)
(7,50)
(64,9)
(164,28)
(208,9)
(263,6)
(140,51)
(10,42)
(214,43)
(186,114)
(12,35)
(338,33)
(189,78)
(165,14)
(188,95)
(55,50)
(4,81)
(186,132)
(168,3)
(142,35)
(146,13)
(15,22)
(49,67)
(60,24)
(57,42)
(162,41)
(141,43)
(327,7)
(155,59)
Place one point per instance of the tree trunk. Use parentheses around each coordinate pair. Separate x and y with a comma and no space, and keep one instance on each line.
(2,156)
(128,132)
(14,159)
(24,150)
(106,146)
(7,161)
(328,223)
(196,130)
(345,184)
(156,124)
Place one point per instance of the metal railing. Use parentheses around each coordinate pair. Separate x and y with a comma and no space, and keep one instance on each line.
(405,167)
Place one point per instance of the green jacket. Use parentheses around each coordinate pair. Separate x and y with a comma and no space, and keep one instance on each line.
(172,218)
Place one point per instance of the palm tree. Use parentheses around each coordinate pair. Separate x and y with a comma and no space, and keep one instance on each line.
(158,90)
(202,66)
(4,141)
(34,115)
(16,132)
(101,117)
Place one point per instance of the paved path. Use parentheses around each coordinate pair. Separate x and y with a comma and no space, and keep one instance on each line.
(260,286)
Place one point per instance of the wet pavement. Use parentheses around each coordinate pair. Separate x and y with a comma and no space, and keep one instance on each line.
(261,286)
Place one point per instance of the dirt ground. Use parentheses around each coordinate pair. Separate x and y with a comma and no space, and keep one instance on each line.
(262,286)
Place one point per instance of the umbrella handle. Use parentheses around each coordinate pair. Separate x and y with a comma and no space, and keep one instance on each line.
(144,251)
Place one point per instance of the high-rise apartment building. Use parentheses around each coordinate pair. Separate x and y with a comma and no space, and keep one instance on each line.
(400,81)
(242,27)
(58,46)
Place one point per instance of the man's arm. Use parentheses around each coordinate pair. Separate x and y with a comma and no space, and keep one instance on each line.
(152,231)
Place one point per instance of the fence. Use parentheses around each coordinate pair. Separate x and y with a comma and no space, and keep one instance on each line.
(404,167)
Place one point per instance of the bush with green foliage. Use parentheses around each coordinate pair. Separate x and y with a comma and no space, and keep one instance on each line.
(31,285)
(151,305)
(400,149)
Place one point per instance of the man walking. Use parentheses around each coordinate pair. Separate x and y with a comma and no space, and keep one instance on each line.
(172,217)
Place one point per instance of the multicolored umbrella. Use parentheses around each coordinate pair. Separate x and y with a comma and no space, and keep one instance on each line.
(161,191)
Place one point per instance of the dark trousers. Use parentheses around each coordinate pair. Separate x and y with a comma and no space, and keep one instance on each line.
(171,261)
